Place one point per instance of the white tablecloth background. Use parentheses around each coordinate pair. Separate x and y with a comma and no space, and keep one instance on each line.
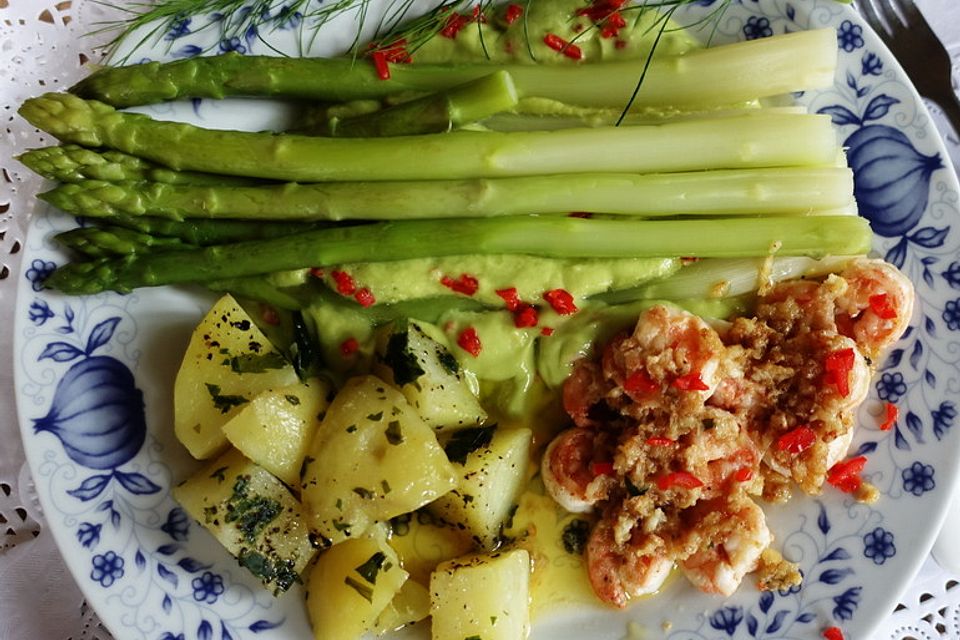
(41,49)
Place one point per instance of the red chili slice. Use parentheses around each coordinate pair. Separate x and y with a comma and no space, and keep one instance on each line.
(612,25)
(454,24)
(465,284)
(833,633)
(546,331)
(365,297)
(469,341)
(345,284)
(602,469)
(660,441)
(561,301)
(681,479)
(690,382)
(845,475)
(349,346)
(892,413)
(317,272)
(525,316)
(743,474)
(380,64)
(838,365)
(514,11)
(880,305)
(560,45)
(510,298)
(640,384)
(797,441)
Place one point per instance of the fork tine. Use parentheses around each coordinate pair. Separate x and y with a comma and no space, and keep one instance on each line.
(890,16)
(870,14)
(910,13)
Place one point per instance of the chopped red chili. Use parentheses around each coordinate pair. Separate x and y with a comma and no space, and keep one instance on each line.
(546,331)
(561,301)
(612,25)
(469,341)
(349,346)
(525,316)
(397,52)
(510,298)
(345,284)
(838,366)
(317,272)
(797,440)
(833,633)
(600,9)
(269,315)
(560,45)
(681,479)
(620,44)
(845,475)
(880,305)
(454,24)
(743,474)
(892,413)
(602,469)
(660,441)
(640,384)
(380,64)
(514,11)
(465,284)
(690,382)
(365,297)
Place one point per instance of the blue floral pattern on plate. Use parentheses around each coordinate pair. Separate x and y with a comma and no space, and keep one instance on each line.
(153,575)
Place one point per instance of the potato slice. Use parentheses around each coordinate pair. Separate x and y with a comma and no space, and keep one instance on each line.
(253,515)
(491,479)
(351,584)
(484,596)
(409,606)
(373,458)
(422,541)
(275,429)
(227,363)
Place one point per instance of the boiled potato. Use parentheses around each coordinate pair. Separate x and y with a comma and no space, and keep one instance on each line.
(416,360)
(253,515)
(422,541)
(372,458)
(228,362)
(410,605)
(490,481)
(351,584)
(484,596)
(275,429)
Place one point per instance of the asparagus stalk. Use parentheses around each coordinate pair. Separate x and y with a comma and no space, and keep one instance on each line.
(723,75)
(434,113)
(556,237)
(755,141)
(204,232)
(723,192)
(97,242)
(72,163)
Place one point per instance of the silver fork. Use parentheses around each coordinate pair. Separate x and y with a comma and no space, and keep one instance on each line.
(906,32)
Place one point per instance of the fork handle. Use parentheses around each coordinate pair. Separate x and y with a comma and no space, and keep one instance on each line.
(950,104)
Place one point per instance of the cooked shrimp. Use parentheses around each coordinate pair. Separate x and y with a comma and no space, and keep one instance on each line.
(722,456)
(576,472)
(877,305)
(620,572)
(732,536)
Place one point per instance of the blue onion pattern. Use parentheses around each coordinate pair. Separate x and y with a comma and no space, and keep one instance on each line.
(233,44)
(207,587)
(891,387)
(97,413)
(88,534)
(891,178)
(757,27)
(177,525)
(943,418)
(849,36)
(952,275)
(871,64)
(918,478)
(39,271)
(951,314)
(727,619)
(878,545)
(178,29)
(39,312)
(107,568)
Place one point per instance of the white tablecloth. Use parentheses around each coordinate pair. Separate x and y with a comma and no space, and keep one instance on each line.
(41,49)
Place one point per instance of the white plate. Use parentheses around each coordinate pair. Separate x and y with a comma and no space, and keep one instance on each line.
(82,363)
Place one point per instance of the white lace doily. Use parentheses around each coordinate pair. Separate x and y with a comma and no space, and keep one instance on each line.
(42,48)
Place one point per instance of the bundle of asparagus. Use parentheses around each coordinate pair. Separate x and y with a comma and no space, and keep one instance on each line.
(414,180)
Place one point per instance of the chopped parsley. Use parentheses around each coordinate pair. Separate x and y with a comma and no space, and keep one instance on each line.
(575,536)
(369,569)
(224,402)
(252,513)
(256,362)
(466,441)
(394,433)
(401,359)
(292,399)
(365,592)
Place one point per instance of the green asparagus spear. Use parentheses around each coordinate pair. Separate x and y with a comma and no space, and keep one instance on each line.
(72,163)
(722,192)
(97,242)
(558,237)
(434,113)
(724,75)
(205,232)
(755,141)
